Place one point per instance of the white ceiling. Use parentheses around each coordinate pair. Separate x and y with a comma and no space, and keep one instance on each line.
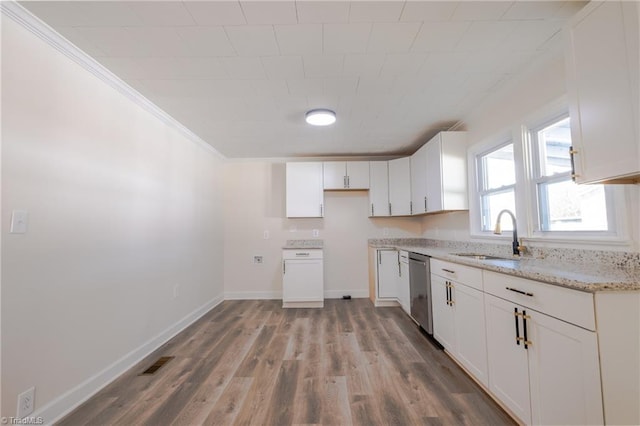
(241,75)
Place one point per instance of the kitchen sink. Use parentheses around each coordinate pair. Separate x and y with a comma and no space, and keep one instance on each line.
(479,256)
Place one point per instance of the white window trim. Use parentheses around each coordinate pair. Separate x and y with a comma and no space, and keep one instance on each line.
(526,192)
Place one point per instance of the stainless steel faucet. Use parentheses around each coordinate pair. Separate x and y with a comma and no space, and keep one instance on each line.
(517,248)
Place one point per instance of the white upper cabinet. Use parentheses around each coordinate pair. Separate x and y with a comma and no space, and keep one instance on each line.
(400,187)
(439,174)
(602,86)
(379,189)
(346,174)
(305,196)
(419,180)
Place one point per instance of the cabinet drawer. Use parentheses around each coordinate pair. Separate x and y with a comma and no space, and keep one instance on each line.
(456,272)
(572,306)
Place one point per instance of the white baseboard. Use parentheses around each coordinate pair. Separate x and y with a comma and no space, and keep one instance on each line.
(252,295)
(71,399)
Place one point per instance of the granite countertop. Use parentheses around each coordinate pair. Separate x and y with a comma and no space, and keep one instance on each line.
(591,277)
(303,244)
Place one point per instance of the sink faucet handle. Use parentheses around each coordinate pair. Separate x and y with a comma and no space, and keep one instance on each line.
(521,247)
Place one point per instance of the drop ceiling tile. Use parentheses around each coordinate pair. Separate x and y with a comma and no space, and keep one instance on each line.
(299,39)
(485,35)
(439,36)
(263,87)
(64,13)
(81,41)
(113,41)
(162,13)
(346,38)
(269,12)
(443,62)
(154,41)
(306,87)
(368,65)
(283,67)
(126,68)
(402,64)
(480,10)
(522,10)
(342,86)
(375,11)
(320,12)
(322,66)
(216,12)
(108,13)
(428,11)
(530,35)
(375,86)
(205,41)
(392,38)
(183,68)
(253,40)
(242,67)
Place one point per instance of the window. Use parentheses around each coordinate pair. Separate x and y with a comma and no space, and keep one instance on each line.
(563,205)
(496,185)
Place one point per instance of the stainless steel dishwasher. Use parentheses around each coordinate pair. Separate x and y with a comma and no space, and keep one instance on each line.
(420,291)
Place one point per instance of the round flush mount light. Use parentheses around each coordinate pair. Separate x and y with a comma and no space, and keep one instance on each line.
(320,117)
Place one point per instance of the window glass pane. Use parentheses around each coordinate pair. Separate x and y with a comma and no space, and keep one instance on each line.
(492,204)
(499,168)
(565,206)
(554,142)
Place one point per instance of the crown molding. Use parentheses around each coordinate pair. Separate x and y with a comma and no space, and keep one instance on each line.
(39,28)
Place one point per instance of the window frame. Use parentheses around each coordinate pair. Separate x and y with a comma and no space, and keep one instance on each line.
(526,158)
(536,178)
(481,180)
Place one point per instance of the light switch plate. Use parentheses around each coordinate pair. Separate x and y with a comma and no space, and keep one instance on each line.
(316,233)
(19,220)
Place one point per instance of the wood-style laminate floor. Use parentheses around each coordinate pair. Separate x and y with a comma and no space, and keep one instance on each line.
(252,362)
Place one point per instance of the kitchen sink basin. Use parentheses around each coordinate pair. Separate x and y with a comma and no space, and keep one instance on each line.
(484,256)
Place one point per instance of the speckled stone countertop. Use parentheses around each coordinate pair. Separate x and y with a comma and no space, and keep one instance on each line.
(584,276)
(303,244)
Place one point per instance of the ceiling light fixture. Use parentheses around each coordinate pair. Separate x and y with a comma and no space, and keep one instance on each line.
(320,117)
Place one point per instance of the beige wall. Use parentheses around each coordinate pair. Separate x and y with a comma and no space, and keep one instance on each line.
(255,202)
(122,209)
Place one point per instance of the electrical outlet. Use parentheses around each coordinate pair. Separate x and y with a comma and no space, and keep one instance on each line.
(266,235)
(26,402)
(315,233)
(257,259)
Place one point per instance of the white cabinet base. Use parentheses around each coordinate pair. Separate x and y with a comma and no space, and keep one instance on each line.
(303,304)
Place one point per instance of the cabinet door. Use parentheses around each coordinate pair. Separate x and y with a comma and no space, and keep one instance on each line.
(388,274)
(358,174)
(400,186)
(419,180)
(471,338)
(600,86)
(305,197)
(565,372)
(443,314)
(379,190)
(453,172)
(335,174)
(302,280)
(434,174)
(508,363)
(403,283)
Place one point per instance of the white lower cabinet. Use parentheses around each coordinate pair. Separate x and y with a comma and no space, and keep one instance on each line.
(459,325)
(546,371)
(387,274)
(302,279)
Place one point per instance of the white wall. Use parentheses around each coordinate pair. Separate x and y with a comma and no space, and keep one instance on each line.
(255,202)
(122,208)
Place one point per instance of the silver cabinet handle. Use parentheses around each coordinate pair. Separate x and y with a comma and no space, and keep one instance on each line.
(449,271)
(302,254)
(321,212)
(389,209)
(372,210)
(425,203)
(348,182)
(410,207)
(344,182)
(284,267)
